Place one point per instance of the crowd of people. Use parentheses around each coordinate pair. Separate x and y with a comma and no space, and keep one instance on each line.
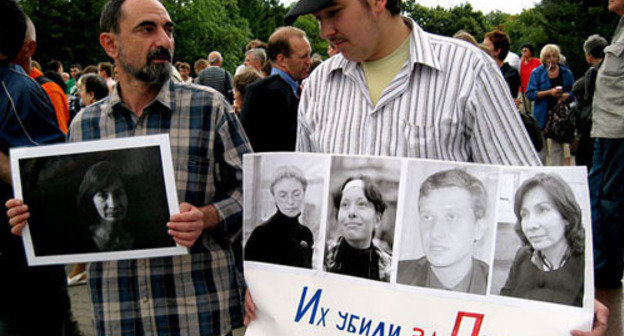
(372,96)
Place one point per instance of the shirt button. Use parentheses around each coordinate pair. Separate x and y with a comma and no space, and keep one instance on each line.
(145,300)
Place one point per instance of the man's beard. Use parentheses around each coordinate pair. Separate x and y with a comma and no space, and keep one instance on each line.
(151,73)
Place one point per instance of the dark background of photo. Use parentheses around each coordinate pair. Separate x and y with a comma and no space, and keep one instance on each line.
(50,187)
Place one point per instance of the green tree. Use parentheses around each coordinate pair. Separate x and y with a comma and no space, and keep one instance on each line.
(447,22)
(264,16)
(206,25)
(309,24)
(67,30)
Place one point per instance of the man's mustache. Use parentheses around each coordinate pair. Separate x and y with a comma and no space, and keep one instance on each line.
(160,53)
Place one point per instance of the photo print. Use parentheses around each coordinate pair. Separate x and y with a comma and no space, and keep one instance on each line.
(92,205)
(362,216)
(541,236)
(283,218)
(447,227)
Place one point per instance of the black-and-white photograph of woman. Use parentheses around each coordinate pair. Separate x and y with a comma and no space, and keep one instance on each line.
(360,231)
(281,239)
(550,263)
(103,200)
(283,201)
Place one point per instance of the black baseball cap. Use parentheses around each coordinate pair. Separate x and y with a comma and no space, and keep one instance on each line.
(305,7)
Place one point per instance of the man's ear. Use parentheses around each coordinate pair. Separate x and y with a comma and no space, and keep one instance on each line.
(378,6)
(31,47)
(108,42)
(280,60)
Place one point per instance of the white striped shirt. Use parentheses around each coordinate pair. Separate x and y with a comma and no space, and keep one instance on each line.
(448,102)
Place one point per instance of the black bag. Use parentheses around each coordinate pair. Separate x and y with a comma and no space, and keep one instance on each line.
(532,128)
(561,125)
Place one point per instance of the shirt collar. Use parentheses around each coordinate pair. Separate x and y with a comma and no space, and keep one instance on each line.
(293,83)
(421,51)
(164,97)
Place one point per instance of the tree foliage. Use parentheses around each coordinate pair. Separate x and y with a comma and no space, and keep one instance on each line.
(203,26)
(309,24)
(69,29)
(264,16)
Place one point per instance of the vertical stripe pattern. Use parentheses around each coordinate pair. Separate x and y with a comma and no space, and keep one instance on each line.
(448,102)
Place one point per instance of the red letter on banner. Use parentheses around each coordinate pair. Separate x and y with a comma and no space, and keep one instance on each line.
(477,326)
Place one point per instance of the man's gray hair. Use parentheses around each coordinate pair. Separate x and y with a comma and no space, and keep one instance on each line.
(594,45)
(215,58)
(257,53)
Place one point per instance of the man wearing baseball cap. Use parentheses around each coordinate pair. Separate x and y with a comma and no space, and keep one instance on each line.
(396,90)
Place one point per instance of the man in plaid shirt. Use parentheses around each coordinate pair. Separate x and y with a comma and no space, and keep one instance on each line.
(196,294)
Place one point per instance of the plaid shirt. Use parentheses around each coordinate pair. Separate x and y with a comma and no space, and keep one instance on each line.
(196,294)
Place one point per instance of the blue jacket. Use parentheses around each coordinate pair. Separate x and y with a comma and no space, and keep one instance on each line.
(539,81)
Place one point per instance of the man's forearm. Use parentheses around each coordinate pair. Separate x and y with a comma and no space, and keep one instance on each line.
(5,169)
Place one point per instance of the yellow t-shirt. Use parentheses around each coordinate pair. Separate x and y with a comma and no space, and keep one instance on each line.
(381,72)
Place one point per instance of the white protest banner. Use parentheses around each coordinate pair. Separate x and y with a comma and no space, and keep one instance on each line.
(356,245)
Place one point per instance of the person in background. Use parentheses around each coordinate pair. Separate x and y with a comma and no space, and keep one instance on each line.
(253,44)
(185,72)
(255,58)
(247,76)
(498,41)
(549,84)
(74,72)
(606,179)
(53,90)
(583,89)
(198,66)
(466,36)
(105,70)
(527,64)
(33,300)
(216,77)
(53,71)
(269,113)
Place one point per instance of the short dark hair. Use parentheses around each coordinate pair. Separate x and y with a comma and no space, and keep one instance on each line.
(393,6)
(529,46)
(77,66)
(371,192)
(106,67)
(53,65)
(96,84)
(563,200)
(460,179)
(111,16)
(500,41)
(12,30)
(279,41)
